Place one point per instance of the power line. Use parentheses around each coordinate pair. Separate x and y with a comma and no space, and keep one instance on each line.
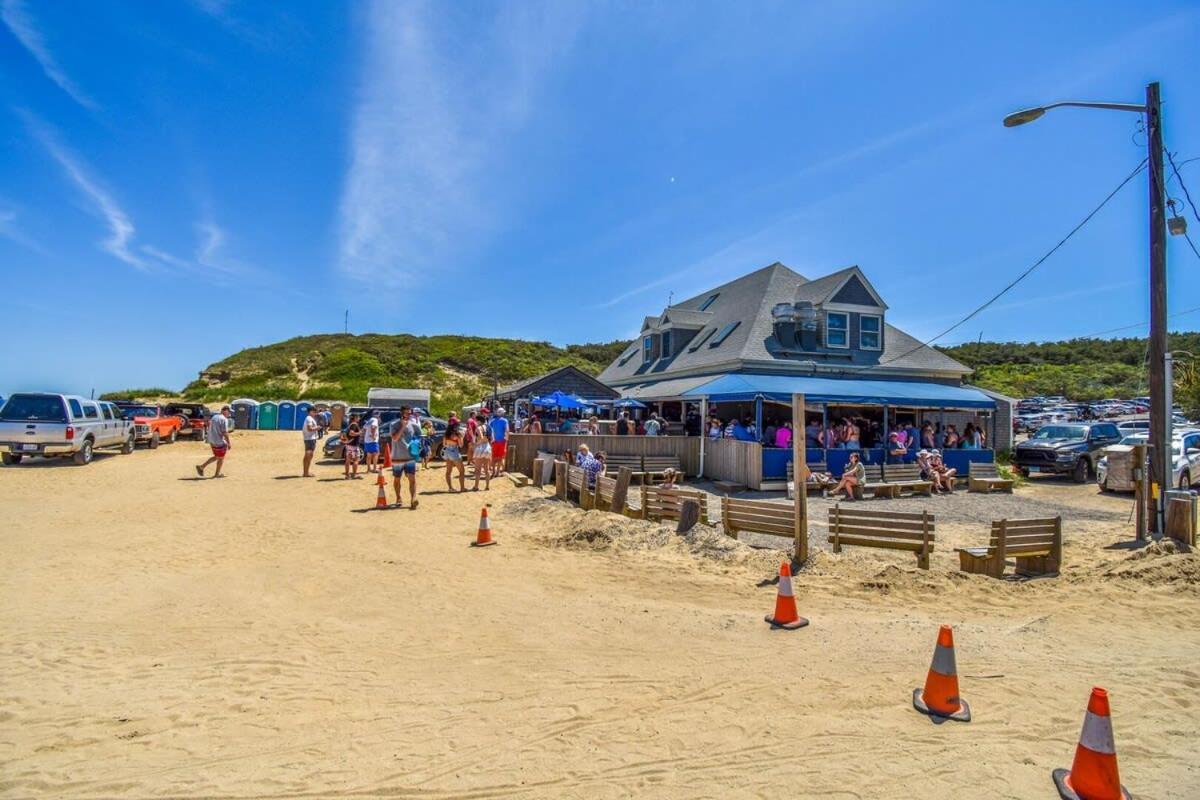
(1185,312)
(1024,274)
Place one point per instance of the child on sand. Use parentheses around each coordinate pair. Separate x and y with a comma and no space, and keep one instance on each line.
(481,457)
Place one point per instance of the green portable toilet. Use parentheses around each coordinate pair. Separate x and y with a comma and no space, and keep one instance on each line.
(268,415)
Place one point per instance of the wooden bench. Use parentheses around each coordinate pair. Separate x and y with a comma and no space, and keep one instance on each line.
(605,486)
(986,478)
(757,516)
(907,477)
(614,461)
(1036,544)
(577,482)
(811,486)
(659,503)
(873,483)
(887,529)
(657,466)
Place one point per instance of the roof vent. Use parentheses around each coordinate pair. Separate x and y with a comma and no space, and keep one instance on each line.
(806,315)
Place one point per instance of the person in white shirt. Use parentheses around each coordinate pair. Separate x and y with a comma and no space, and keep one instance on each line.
(370,440)
(218,440)
(312,432)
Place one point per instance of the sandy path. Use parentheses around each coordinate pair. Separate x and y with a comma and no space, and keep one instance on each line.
(253,637)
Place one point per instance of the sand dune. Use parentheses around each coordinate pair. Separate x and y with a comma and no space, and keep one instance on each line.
(254,637)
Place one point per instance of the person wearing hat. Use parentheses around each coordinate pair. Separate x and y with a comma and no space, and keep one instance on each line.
(218,440)
(943,475)
(498,427)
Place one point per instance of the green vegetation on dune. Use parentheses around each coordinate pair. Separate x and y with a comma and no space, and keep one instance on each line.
(457,369)
(1081,369)
(138,394)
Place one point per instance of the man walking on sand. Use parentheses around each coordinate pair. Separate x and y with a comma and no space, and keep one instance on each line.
(406,449)
(312,432)
(218,440)
(370,439)
(498,427)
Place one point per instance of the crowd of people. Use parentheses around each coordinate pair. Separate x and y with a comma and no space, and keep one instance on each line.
(852,433)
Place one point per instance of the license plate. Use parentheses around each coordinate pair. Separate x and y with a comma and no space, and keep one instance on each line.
(1034,469)
(28,447)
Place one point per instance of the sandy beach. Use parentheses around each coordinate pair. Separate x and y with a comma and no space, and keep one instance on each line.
(266,636)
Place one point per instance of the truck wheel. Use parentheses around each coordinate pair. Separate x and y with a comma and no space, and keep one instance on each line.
(11,459)
(127,448)
(83,456)
(1080,475)
(174,435)
(154,441)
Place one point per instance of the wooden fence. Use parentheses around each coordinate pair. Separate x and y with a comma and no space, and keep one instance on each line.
(523,448)
(732,460)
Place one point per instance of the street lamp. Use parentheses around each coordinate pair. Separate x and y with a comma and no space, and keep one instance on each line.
(1160,430)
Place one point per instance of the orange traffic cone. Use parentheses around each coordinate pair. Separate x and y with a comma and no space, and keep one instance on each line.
(786,614)
(1093,774)
(386,447)
(940,697)
(484,537)
(379,481)
(381,499)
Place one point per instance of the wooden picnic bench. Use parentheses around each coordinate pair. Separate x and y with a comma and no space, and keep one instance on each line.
(985,478)
(605,486)
(907,477)
(810,486)
(659,503)
(614,461)
(577,482)
(657,466)
(912,531)
(873,482)
(1035,544)
(757,516)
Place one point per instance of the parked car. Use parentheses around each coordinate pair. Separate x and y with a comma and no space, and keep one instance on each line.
(60,425)
(151,425)
(1065,449)
(1131,425)
(195,417)
(1185,456)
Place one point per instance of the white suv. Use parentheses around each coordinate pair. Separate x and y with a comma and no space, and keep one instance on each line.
(50,425)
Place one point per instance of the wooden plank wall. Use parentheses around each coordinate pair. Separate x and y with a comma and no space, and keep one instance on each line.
(523,448)
(731,460)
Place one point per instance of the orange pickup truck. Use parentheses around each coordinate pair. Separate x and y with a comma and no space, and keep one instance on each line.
(151,424)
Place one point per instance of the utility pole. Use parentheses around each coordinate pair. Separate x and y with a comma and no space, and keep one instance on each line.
(1160,411)
(346,323)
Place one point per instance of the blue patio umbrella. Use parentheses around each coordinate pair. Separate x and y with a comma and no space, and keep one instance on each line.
(628,402)
(559,400)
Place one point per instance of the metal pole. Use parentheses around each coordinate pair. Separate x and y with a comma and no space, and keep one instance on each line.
(1160,411)
(703,430)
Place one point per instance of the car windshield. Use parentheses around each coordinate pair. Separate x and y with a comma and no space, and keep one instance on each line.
(1061,432)
(1140,438)
(33,408)
(139,411)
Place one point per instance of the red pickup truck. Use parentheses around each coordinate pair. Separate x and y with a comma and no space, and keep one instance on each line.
(151,424)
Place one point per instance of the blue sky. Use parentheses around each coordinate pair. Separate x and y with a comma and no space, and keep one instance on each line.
(184,179)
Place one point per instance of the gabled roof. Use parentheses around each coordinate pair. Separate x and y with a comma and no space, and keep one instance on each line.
(747,301)
(519,387)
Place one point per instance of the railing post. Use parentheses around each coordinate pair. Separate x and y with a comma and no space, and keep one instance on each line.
(621,490)
(560,479)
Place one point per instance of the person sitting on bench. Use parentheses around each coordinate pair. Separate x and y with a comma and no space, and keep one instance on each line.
(853,476)
(670,477)
(941,475)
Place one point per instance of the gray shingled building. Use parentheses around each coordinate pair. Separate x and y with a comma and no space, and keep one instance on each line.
(744,347)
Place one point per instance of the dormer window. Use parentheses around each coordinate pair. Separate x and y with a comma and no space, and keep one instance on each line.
(647,349)
(837,329)
(870,328)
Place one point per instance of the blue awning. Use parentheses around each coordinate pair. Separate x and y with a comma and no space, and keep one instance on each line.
(847,391)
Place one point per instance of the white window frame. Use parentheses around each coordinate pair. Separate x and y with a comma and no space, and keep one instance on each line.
(878,333)
(647,349)
(844,314)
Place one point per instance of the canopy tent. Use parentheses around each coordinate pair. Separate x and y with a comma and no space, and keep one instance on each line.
(559,400)
(628,402)
(844,391)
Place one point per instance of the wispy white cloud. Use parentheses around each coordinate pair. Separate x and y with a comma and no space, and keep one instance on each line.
(121,229)
(10,230)
(433,113)
(16,16)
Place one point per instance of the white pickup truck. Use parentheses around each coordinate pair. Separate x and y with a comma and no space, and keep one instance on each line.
(60,425)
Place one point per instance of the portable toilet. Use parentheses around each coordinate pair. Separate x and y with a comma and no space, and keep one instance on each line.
(245,414)
(286,419)
(338,409)
(268,415)
(301,414)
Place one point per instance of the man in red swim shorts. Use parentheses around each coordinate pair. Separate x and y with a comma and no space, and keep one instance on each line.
(218,440)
